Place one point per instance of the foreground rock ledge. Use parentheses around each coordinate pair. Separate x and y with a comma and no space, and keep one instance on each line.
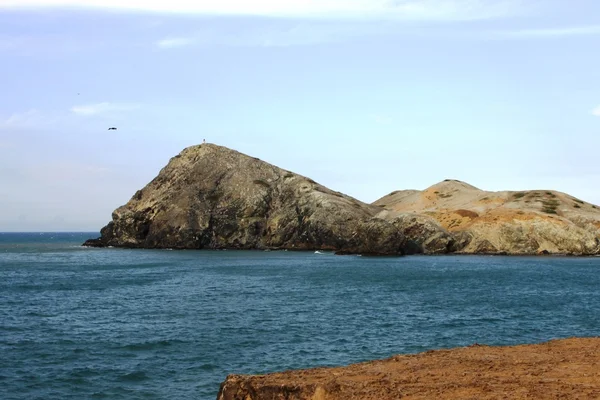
(565,369)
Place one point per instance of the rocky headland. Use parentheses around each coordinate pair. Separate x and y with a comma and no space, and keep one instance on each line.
(212,197)
(560,369)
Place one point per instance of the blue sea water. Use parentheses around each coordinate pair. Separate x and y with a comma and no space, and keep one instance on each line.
(78,323)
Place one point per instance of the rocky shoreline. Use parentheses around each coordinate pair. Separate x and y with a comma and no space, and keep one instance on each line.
(95,243)
(567,368)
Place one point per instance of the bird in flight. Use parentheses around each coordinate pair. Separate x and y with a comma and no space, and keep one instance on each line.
(112,128)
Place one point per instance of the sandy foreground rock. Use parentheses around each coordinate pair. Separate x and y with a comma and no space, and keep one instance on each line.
(559,369)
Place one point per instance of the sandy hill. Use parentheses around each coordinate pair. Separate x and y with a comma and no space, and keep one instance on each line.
(524,222)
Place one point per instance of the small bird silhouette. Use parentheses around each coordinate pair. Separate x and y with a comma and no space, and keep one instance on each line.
(112,128)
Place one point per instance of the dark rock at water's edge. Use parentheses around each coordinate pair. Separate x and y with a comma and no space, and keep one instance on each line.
(212,197)
(94,243)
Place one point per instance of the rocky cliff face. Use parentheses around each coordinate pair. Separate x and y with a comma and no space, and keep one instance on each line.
(528,222)
(213,197)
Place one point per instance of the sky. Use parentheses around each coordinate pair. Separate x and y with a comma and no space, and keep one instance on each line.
(365,97)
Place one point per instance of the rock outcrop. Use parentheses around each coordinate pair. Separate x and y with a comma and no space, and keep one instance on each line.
(480,222)
(212,197)
(558,369)
(423,234)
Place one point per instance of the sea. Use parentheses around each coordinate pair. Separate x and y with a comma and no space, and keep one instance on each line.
(88,323)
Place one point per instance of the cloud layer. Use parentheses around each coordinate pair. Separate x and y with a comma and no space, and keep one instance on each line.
(102,108)
(459,10)
(170,43)
(555,32)
(596,111)
(28,119)
(298,34)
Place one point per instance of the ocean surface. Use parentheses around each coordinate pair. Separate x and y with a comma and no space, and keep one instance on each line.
(79,323)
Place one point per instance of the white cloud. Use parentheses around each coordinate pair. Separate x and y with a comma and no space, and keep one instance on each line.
(304,33)
(169,43)
(553,32)
(102,108)
(23,118)
(596,111)
(35,119)
(35,44)
(27,119)
(459,10)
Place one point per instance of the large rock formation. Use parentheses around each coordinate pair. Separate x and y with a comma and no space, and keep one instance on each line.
(528,222)
(213,197)
(557,369)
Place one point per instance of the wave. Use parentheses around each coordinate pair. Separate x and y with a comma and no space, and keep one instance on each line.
(136,376)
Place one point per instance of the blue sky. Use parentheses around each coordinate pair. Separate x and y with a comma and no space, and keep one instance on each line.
(365,97)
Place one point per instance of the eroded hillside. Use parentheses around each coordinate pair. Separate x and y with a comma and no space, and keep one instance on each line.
(523,222)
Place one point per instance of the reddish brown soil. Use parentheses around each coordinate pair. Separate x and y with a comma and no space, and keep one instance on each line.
(561,369)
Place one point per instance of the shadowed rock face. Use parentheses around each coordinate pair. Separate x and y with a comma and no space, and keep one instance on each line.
(423,234)
(213,197)
(481,222)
